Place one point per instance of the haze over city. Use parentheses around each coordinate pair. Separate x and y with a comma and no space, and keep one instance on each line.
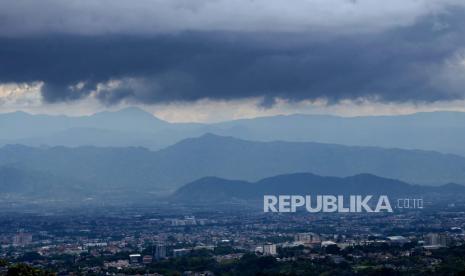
(232,137)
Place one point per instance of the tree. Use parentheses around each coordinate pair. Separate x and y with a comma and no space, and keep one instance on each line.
(26,270)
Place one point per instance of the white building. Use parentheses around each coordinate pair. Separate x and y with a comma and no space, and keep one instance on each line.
(436,240)
(307,238)
(180,252)
(400,240)
(134,258)
(269,249)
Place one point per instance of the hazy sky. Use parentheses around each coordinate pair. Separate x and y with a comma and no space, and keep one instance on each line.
(209,60)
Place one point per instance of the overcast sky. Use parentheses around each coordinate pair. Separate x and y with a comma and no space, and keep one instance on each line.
(191,60)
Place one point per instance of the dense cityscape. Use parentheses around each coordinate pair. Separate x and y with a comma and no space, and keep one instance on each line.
(176,240)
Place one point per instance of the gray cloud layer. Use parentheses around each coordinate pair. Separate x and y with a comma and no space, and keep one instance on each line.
(19,17)
(416,56)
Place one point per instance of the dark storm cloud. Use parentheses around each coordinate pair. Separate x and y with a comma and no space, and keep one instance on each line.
(96,17)
(420,62)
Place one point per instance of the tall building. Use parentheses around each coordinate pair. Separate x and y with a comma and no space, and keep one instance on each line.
(22,239)
(436,240)
(269,249)
(160,252)
(307,238)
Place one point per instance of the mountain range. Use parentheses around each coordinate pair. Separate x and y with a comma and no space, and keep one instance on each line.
(106,170)
(127,127)
(217,190)
(437,131)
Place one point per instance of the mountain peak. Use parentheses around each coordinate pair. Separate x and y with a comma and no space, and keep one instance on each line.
(18,113)
(204,142)
(212,137)
(129,113)
(134,110)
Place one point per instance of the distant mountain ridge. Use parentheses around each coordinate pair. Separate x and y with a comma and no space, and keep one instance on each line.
(132,119)
(218,190)
(127,127)
(140,170)
(437,131)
